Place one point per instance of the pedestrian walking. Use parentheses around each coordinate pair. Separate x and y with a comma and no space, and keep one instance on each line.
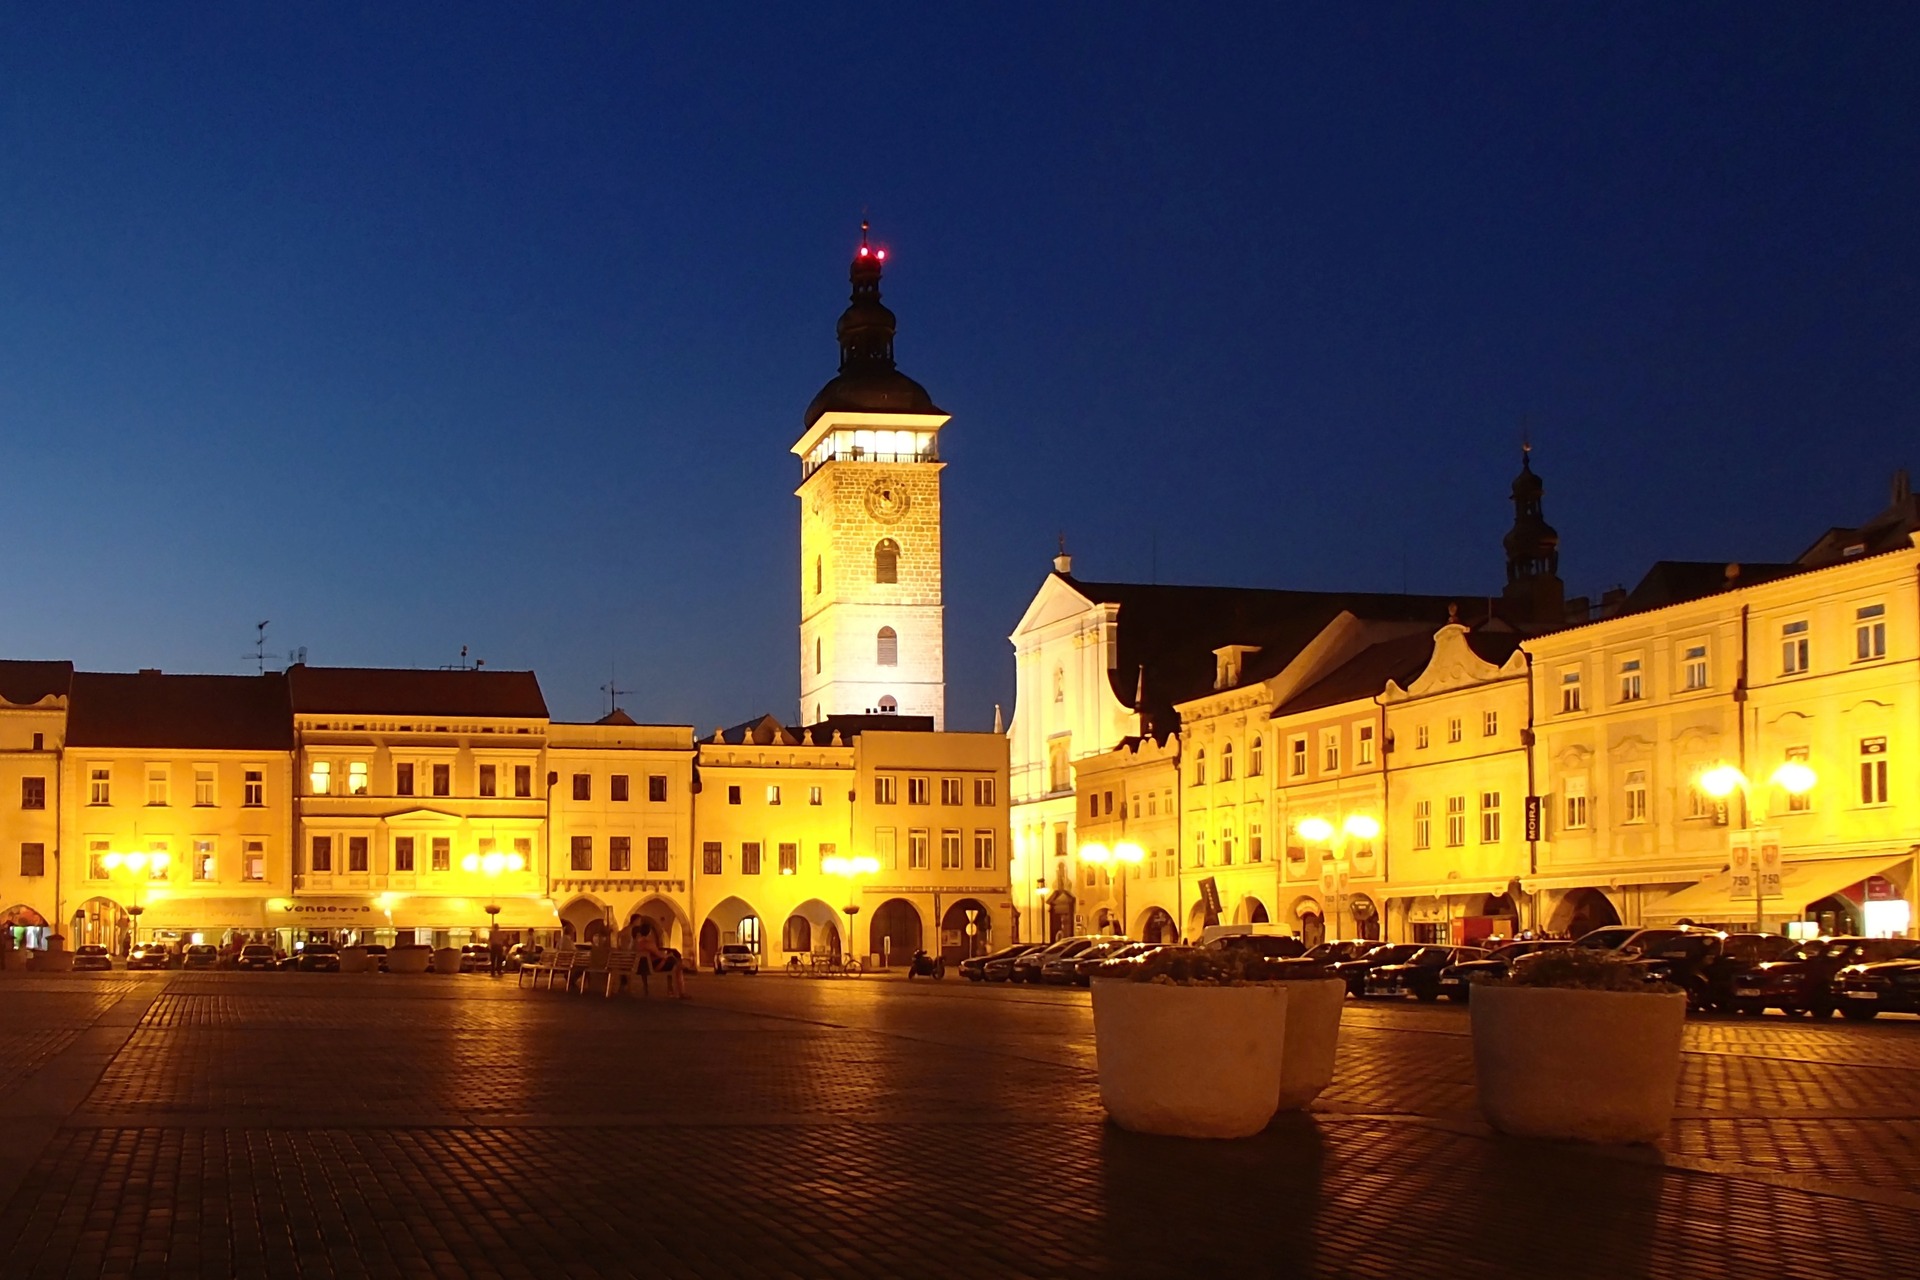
(496,955)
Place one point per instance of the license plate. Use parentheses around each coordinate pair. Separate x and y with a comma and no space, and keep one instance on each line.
(1746,991)
(1861,995)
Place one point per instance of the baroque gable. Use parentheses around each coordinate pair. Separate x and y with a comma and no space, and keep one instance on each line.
(1454,665)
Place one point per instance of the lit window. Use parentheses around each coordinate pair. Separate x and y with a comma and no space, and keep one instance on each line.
(1870,633)
(1456,821)
(1489,817)
(1363,745)
(1873,771)
(1575,808)
(1693,667)
(773,793)
(1636,797)
(1630,688)
(321,778)
(203,859)
(887,648)
(813,795)
(253,860)
(1422,824)
(357,778)
(1569,691)
(1793,648)
(1801,802)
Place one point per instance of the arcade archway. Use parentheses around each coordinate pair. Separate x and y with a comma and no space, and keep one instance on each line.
(956,943)
(895,932)
(731,920)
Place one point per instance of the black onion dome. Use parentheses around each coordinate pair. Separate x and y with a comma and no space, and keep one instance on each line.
(868,381)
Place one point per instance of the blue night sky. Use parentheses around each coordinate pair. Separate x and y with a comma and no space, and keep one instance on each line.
(415,326)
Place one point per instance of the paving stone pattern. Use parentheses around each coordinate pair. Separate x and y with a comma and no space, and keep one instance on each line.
(340,1126)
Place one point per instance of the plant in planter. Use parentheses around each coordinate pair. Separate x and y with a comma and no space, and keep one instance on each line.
(1190,1046)
(1575,1044)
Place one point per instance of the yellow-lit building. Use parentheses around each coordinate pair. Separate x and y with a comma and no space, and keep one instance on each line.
(33,727)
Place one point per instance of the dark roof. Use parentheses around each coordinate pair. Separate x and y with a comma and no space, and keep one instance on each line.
(25,683)
(388,691)
(871,391)
(211,713)
(620,718)
(1172,631)
(1364,675)
(1677,581)
(766,730)
(868,381)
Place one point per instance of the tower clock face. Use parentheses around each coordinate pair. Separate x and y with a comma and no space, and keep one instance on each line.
(887,500)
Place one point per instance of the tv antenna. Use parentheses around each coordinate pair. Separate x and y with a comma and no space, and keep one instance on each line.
(613,690)
(259,654)
(463,664)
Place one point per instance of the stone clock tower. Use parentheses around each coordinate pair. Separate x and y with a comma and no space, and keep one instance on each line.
(872,626)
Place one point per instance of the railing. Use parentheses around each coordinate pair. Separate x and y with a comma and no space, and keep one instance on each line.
(855,454)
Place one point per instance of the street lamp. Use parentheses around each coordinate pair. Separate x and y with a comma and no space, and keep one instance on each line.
(1361,827)
(140,866)
(1796,778)
(1116,861)
(851,866)
(493,864)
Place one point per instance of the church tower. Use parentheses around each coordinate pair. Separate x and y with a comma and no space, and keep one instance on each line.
(1534,595)
(872,625)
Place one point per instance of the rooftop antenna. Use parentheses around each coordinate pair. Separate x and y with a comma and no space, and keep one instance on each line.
(260,648)
(463,664)
(613,690)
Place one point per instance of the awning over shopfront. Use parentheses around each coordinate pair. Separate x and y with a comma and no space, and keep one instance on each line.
(183,911)
(471,913)
(1801,883)
(1448,889)
(315,912)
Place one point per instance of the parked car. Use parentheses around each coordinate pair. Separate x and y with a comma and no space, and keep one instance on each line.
(202,955)
(974,968)
(1026,968)
(1080,968)
(1884,986)
(92,956)
(1058,968)
(256,955)
(1740,952)
(150,955)
(318,957)
(1802,982)
(1457,979)
(1120,961)
(1265,945)
(1418,975)
(377,953)
(1336,951)
(1680,955)
(1608,937)
(1354,972)
(735,957)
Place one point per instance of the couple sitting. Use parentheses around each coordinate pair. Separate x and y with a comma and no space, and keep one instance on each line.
(655,958)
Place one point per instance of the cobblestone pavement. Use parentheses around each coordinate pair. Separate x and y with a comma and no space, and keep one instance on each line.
(343,1126)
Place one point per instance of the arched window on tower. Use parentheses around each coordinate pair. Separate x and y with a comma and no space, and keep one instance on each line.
(816,655)
(886,561)
(887,649)
(819,575)
(889,705)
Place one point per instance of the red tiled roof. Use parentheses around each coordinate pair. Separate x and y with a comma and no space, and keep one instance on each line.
(213,713)
(389,691)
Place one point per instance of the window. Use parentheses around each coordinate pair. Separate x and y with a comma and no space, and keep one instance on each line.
(983,793)
(523,780)
(1256,758)
(1297,757)
(97,859)
(917,791)
(1330,751)
(1569,691)
(33,793)
(1489,817)
(357,778)
(1456,821)
(1636,797)
(710,858)
(886,561)
(917,850)
(1693,667)
(1793,648)
(1226,763)
(203,786)
(617,788)
(253,860)
(950,851)
(789,859)
(403,779)
(100,785)
(656,853)
(443,780)
(1803,802)
(983,855)
(1363,744)
(1574,809)
(1420,737)
(1423,824)
(156,784)
(443,853)
(523,845)
(1873,771)
(733,795)
(1200,767)
(657,788)
(1490,724)
(322,857)
(582,854)
(826,851)
(817,663)
(403,853)
(1256,849)
(489,780)
(1630,689)
(814,795)
(320,776)
(1106,801)
(1453,729)
(819,575)
(157,860)
(952,791)
(885,849)
(886,649)
(619,853)
(750,858)
(1699,803)
(33,859)
(883,789)
(1153,804)
(773,793)
(253,788)
(357,854)
(1226,846)
(1869,632)
(583,786)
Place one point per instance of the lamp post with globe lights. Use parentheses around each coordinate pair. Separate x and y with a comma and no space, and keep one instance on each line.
(1755,849)
(1115,861)
(493,864)
(141,867)
(851,867)
(1335,838)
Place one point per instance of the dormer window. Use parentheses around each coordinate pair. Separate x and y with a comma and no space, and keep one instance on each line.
(1229,660)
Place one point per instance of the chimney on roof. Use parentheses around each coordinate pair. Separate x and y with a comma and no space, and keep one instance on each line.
(1733,577)
(1902,487)
(1611,599)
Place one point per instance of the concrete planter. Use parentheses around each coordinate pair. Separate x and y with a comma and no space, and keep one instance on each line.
(1313,1035)
(19,960)
(355,960)
(446,960)
(409,959)
(52,961)
(1596,1066)
(1189,1062)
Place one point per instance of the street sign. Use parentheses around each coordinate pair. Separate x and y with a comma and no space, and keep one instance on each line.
(1210,899)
